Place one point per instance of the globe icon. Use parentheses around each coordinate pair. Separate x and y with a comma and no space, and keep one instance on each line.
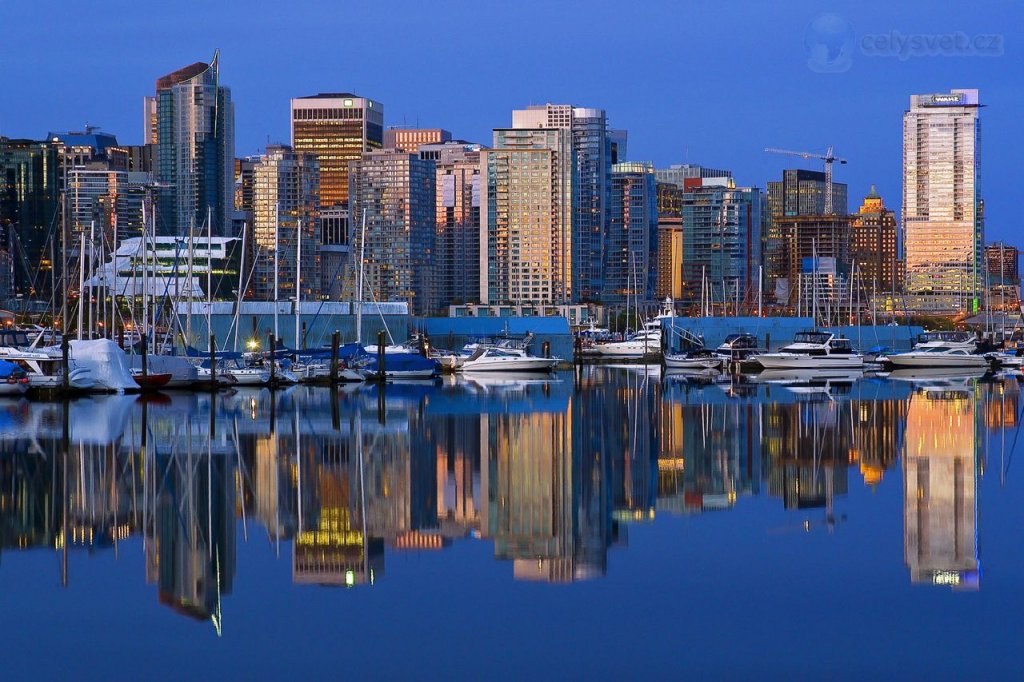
(829,44)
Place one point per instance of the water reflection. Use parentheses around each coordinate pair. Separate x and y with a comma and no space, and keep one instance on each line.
(552,473)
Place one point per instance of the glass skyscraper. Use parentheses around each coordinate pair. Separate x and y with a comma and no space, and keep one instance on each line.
(396,192)
(195,143)
(943,219)
(631,246)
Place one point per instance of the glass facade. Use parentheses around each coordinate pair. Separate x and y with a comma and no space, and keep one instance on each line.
(631,247)
(396,193)
(195,121)
(526,240)
(285,187)
(943,219)
(337,128)
(29,214)
(721,243)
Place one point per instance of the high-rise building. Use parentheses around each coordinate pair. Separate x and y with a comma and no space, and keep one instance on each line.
(337,128)
(457,212)
(107,202)
(1003,277)
(943,217)
(395,191)
(30,193)
(677,174)
(631,244)
(587,202)
(411,139)
(818,256)
(525,211)
(285,212)
(799,193)
(670,241)
(721,226)
(874,244)
(195,144)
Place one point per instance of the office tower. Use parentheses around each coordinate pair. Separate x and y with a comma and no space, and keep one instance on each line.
(618,145)
(337,128)
(30,193)
(677,174)
(670,240)
(874,245)
(195,144)
(525,214)
(587,199)
(721,241)
(87,147)
(457,214)
(106,203)
(940,466)
(396,193)
(1003,276)
(631,243)
(943,217)
(411,139)
(817,266)
(285,187)
(799,193)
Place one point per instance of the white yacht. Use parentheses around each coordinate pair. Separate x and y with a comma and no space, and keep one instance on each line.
(45,371)
(644,343)
(813,350)
(940,356)
(928,340)
(506,360)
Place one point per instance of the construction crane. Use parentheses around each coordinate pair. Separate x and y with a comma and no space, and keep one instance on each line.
(828,157)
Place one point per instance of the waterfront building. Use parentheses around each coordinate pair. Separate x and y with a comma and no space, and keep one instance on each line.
(395,191)
(337,128)
(721,227)
(457,214)
(817,267)
(30,200)
(943,216)
(874,245)
(411,139)
(586,203)
(670,241)
(195,145)
(1003,276)
(631,243)
(800,193)
(285,204)
(940,468)
(526,228)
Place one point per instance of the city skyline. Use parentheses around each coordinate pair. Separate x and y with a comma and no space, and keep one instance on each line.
(857,110)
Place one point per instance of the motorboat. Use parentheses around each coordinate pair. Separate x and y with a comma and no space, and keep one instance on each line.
(813,350)
(695,359)
(939,356)
(946,339)
(45,370)
(1009,359)
(738,346)
(506,360)
(639,345)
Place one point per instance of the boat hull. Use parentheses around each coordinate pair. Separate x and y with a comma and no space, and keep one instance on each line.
(510,365)
(683,362)
(797,361)
(936,360)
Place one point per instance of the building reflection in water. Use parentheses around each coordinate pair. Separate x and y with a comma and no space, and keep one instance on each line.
(940,467)
(552,472)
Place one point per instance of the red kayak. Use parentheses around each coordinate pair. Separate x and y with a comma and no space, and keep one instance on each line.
(152,381)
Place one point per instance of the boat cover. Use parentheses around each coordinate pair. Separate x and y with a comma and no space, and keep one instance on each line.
(106,361)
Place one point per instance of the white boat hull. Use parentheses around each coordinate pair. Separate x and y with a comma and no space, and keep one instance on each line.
(800,361)
(627,349)
(932,360)
(487,364)
(683,362)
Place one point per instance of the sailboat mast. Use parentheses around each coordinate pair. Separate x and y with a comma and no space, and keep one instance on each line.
(81,281)
(359,294)
(241,288)
(277,264)
(298,280)
(209,274)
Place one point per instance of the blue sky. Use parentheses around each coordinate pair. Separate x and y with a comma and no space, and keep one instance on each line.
(706,82)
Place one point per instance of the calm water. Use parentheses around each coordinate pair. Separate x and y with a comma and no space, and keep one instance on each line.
(612,525)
